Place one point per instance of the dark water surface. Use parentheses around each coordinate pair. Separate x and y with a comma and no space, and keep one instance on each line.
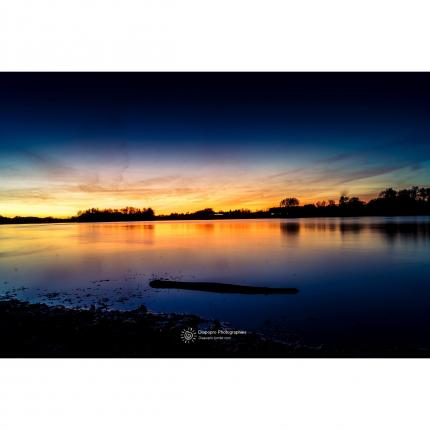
(362,281)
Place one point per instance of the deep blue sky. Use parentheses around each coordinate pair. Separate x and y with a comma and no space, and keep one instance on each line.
(186,140)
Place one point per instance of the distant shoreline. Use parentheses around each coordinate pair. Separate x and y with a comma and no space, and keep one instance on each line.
(414,201)
(23,221)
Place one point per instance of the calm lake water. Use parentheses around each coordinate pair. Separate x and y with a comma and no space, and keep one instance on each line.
(362,281)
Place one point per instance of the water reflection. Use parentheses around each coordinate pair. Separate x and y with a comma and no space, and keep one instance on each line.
(290,228)
(407,231)
(344,269)
(389,230)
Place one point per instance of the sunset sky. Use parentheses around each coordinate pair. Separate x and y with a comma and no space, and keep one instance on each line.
(182,142)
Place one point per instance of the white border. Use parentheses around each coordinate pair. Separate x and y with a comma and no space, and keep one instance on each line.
(218,35)
(214,394)
(214,35)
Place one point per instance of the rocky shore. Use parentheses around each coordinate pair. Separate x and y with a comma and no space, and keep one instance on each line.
(38,330)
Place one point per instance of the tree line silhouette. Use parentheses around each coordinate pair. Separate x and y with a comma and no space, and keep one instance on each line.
(128,213)
(390,202)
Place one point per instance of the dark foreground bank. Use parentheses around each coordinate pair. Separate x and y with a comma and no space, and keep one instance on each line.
(38,330)
(43,331)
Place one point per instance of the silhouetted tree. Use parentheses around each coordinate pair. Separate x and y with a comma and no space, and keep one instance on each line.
(389,194)
(424,194)
(355,203)
(343,200)
(206,211)
(289,202)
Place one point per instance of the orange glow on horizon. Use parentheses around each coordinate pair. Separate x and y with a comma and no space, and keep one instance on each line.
(177,188)
(66,210)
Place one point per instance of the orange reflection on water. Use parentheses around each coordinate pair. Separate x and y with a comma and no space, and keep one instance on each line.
(220,237)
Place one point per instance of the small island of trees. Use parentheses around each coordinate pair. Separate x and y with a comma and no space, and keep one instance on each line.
(128,213)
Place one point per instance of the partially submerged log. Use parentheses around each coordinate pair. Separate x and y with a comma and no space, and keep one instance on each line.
(217,287)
